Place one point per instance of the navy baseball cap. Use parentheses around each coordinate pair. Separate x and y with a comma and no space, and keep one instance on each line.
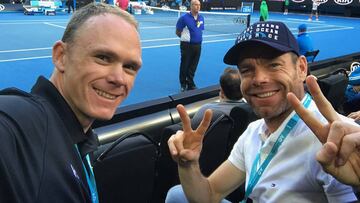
(273,34)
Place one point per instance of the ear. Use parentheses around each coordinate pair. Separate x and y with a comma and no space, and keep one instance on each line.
(303,67)
(58,55)
(221,94)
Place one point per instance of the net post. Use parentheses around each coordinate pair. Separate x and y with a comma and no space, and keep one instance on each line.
(248,21)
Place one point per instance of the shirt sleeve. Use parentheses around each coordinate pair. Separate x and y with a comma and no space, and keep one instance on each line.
(19,174)
(180,24)
(237,153)
(203,25)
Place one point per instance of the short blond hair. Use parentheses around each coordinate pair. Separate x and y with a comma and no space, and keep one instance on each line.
(93,9)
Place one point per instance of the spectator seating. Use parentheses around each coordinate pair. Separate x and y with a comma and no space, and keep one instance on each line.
(214,144)
(223,132)
(151,117)
(311,55)
(333,87)
(126,170)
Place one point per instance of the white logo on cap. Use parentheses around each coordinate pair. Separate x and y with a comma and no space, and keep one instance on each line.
(246,35)
(262,30)
(267,30)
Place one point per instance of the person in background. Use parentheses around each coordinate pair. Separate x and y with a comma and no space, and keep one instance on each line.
(286,7)
(352,94)
(314,10)
(189,28)
(274,154)
(340,154)
(229,95)
(304,40)
(264,11)
(123,4)
(46,135)
(70,4)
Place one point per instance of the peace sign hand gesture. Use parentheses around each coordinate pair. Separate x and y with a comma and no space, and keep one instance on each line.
(185,146)
(340,154)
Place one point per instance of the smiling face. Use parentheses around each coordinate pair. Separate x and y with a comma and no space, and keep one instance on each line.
(265,83)
(96,72)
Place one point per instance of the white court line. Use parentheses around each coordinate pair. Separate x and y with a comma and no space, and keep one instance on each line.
(23,50)
(51,24)
(148,40)
(305,20)
(23,59)
(176,38)
(335,29)
(145,47)
(172,26)
(171,45)
(315,23)
(29,23)
(149,47)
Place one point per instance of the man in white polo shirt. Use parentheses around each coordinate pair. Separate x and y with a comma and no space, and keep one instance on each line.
(275,156)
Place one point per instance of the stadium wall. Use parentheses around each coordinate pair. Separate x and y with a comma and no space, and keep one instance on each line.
(152,116)
(349,8)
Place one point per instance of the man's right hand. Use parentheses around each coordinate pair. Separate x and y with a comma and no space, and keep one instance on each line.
(354,115)
(185,146)
(340,155)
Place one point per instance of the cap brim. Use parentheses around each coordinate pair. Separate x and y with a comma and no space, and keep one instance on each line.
(237,51)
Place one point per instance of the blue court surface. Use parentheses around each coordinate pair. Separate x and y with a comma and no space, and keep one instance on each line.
(26,41)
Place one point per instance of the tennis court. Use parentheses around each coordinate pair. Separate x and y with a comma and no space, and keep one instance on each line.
(25,48)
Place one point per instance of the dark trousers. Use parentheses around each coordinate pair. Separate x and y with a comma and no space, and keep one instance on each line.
(190,55)
(70,5)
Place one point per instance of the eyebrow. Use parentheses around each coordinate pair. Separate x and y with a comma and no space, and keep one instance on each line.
(113,54)
(105,52)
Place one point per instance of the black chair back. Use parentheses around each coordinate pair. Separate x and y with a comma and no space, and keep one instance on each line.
(311,55)
(212,154)
(126,171)
(333,87)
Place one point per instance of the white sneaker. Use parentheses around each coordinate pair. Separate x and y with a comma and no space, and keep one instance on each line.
(309,19)
(317,19)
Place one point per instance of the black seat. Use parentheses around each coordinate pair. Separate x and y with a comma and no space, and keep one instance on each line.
(212,155)
(126,170)
(311,55)
(333,87)
(225,129)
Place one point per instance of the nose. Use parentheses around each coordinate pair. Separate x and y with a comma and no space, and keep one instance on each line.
(117,75)
(260,76)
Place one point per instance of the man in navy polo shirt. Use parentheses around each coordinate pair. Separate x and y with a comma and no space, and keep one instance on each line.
(46,135)
(189,28)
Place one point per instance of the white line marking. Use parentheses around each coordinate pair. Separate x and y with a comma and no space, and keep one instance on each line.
(22,50)
(29,23)
(55,25)
(149,47)
(23,59)
(176,38)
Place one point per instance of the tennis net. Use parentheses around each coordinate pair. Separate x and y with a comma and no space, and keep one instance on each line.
(215,22)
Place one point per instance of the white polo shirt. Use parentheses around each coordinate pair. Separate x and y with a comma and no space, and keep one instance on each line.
(293,175)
